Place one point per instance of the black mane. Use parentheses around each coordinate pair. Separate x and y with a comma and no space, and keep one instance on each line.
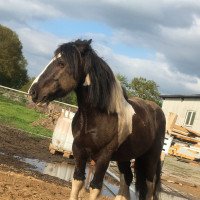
(99,93)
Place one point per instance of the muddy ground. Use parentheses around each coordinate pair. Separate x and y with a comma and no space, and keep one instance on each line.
(18,180)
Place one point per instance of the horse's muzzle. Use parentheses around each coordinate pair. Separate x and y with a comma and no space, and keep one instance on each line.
(33,93)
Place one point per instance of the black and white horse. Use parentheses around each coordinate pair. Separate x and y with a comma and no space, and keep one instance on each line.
(108,125)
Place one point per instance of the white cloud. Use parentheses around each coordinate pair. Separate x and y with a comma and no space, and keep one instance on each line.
(195,86)
(38,47)
(24,10)
(170,27)
(169,81)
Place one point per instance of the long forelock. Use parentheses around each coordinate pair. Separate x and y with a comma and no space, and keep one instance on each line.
(71,56)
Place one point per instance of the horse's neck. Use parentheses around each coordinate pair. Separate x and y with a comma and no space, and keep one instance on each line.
(116,103)
(82,96)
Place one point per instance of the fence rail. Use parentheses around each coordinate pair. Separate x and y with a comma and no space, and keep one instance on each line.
(6,91)
(14,90)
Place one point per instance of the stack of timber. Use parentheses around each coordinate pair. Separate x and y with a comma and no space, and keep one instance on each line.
(188,140)
(49,122)
(185,151)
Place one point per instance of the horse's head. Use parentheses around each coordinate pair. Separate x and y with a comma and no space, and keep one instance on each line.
(63,74)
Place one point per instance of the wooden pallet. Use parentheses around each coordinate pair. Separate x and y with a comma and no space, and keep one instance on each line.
(185,156)
(174,150)
(53,150)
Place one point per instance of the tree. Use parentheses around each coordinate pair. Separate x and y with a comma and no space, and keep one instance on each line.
(70,98)
(123,80)
(145,89)
(26,87)
(125,84)
(13,71)
(141,87)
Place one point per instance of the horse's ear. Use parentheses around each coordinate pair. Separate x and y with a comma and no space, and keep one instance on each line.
(89,41)
(83,46)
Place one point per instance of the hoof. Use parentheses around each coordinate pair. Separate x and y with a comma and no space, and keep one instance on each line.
(94,193)
(120,197)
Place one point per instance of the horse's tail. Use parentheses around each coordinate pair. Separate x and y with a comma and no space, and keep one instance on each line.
(141,166)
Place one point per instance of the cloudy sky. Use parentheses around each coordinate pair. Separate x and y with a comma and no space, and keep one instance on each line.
(155,39)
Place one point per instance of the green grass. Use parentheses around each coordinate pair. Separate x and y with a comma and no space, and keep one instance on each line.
(16,114)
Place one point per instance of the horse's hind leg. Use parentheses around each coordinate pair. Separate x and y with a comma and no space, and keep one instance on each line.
(153,181)
(126,178)
(147,170)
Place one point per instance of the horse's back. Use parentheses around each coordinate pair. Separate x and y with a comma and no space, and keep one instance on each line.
(148,112)
(145,107)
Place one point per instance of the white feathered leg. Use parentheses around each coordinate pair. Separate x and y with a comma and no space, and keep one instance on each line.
(76,187)
(94,193)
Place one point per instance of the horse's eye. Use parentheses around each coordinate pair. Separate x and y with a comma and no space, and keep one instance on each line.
(61,64)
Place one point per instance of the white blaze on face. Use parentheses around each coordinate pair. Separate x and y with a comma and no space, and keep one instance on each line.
(36,80)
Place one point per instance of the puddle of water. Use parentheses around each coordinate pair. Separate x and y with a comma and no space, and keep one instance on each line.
(110,189)
(36,164)
(65,171)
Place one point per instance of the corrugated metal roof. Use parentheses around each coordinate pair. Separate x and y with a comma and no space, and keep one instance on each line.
(180,96)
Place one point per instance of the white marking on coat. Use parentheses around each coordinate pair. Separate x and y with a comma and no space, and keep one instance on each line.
(76,187)
(87,80)
(37,78)
(124,110)
(94,193)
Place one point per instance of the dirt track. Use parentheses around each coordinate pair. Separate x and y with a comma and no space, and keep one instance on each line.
(18,181)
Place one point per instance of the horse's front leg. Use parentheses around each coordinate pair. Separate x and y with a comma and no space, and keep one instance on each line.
(81,157)
(100,169)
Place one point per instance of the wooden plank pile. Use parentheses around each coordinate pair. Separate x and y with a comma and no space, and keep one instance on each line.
(188,145)
(182,150)
(49,122)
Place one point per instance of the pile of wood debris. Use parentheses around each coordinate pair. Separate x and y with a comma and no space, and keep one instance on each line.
(52,111)
(49,122)
(188,140)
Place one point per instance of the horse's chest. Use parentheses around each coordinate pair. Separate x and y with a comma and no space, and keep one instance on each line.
(95,131)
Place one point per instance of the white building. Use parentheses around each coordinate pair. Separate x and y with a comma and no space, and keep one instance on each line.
(187,107)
